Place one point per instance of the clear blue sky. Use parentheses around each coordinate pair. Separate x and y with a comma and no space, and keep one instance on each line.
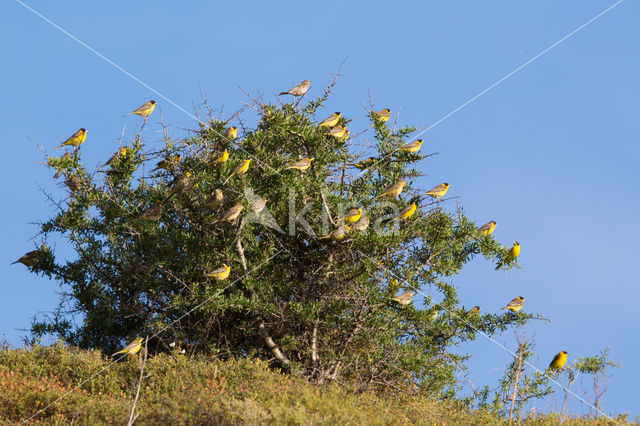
(551,153)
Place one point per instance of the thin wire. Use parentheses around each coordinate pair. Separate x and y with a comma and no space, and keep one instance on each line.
(150,337)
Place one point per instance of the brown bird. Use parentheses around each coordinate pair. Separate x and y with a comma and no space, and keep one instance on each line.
(28,259)
(404,298)
(362,224)
(216,200)
(475,310)
(153,213)
(231,214)
(258,204)
(180,183)
(299,90)
(73,183)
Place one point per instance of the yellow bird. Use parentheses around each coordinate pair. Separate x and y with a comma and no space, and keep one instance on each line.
(511,256)
(232,133)
(221,273)
(407,211)
(299,90)
(337,131)
(145,110)
(28,259)
(516,304)
(168,162)
(216,200)
(475,310)
(338,233)
(487,228)
(132,348)
(366,163)
(382,115)
(352,216)
(394,190)
(241,168)
(231,214)
(75,139)
(221,157)
(559,360)
(121,153)
(438,191)
(404,298)
(301,165)
(153,213)
(412,147)
(332,120)
(345,136)
(362,224)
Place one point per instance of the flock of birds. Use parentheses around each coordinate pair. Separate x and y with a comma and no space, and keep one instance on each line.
(353,219)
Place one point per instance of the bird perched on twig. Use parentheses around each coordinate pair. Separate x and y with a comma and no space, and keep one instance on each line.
(168,163)
(221,157)
(232,133)
(487,228)
(73,183)
(511,256)
(216,200)
(407,211)
(559,360)
(132,348)
(221,273)
(231,214)
(352,216)
(241,168)
(337,131)
(180,183)
(299,90)
(331,120)
(515,305)
(338,233)
(439,191)
(153,213)
(302,164)
(412,147)
(366,163)
(404,298)
(394,190)
(475,310)
(121,153)
(145,110)
(382,115)
(75,139)
(28,259)
(362,224)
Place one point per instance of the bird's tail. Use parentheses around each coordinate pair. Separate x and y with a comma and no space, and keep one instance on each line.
(118,353)
(283,93)
(13,263)
(59,146)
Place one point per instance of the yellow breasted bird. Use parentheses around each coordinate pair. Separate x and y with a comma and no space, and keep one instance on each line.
(404,298)
(515,305)
(511,256)
(352,216)
(439,191)
(75,139)
(168,163)
(145,110)
(232,133)
(153,213)
(121,153)
(299,90)
(366,163)
(331,120)
(231,214)
(487,228)
(412,147)
(338,233)
(221,273)
(132,348)
(362,224)
(221,157)
(302,164)
(559,360)
(394,190)
(337,131)
(382,115)
(407,211)
(28,259)
(475,310)
(216,200)
(241,168)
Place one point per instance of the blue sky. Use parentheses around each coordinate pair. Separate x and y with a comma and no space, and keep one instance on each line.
(550,154)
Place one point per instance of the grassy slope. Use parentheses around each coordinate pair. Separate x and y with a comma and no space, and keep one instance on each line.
(181,390)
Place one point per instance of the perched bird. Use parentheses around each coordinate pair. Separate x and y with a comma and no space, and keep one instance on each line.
(382,115)
(28,259)
(132,348)
(121,153)
(338,233)
(511,256)
(258,204)
(232,133)
(404,298)
(231,214)
(434,314)
(337,131)
(331,120)
(145,110)
(345,136)
(301,165)
(487,228)
(180,183)
(559,360)
(439,190)
(221,273)
(394,190)
(221,157)
(366,163)
(352,216)
(75,139)
(168,163)
(299,90)
(153,213)
(516,304)
(241,168)
(475,310)
(407,211)
(73,183)
(412,147)
(216,200)
(362,224)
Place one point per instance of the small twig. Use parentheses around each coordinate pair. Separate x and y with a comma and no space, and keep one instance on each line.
(133,418)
